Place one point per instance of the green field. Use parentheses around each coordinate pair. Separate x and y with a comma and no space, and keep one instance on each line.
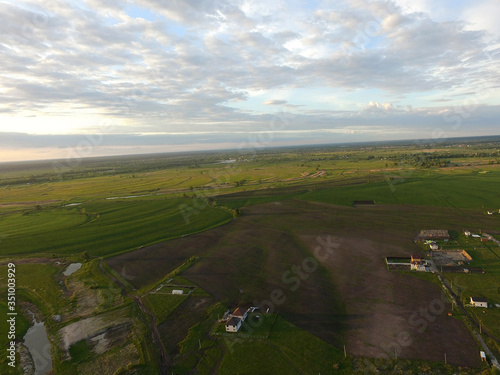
(163,304)
(103,227)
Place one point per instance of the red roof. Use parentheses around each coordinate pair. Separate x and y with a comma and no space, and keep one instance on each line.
(239,312)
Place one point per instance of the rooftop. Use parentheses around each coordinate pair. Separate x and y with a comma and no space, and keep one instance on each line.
(239,312)
(479,299)
(233,322)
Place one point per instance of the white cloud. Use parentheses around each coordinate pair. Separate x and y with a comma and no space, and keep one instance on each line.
(197,65)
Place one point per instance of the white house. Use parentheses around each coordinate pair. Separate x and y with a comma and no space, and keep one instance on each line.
(233,325)
(479,302)
(177,291)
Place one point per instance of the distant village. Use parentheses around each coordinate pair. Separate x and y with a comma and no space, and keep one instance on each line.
(439,259)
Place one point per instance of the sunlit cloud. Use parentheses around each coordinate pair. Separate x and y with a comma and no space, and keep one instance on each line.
(226,67)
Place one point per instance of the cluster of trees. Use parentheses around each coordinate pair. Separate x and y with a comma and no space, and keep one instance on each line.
(423,160)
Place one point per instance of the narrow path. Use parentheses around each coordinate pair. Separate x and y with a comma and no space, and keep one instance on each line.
(492,238)
(494,361)
(219,362)
(154,329)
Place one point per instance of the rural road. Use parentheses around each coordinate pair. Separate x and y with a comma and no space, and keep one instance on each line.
(145,310)
(494,361)
(457,302)
(492,239)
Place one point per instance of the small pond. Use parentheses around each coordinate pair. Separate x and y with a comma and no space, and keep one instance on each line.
(38,344)
(72,268)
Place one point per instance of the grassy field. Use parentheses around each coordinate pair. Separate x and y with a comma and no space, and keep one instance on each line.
(38,281)
(162,304)
(106,227)
(295,350)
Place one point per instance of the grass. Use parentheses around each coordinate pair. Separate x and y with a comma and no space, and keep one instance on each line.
(289,350)
(485,255)
(134,222)
(38,281)
(432,190)
(254,357)
(302,349)
(197,346)
(22,326)
(80,351)
(162,304)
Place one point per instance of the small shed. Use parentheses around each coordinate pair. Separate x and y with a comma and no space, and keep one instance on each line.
(434,246)
(467,233)
(177,291)
(433,234)
(482,355)
(479,302)
(233,325)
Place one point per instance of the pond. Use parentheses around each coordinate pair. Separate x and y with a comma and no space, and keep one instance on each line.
(38,344)
(72,268)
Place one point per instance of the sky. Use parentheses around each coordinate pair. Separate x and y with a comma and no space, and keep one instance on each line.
(81,78)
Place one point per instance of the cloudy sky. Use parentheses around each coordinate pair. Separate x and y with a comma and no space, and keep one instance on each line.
(95,77)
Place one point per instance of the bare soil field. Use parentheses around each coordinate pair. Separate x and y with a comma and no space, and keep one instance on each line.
(392,314)
(265,257)
(149,264)
(448,258)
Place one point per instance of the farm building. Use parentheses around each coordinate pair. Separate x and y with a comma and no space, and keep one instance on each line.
(417,258)
(434,246)
(479,302)
(467,233)
(233,325)
(417,263)
(433,234)
(240,314)
(363,203)
(177,291)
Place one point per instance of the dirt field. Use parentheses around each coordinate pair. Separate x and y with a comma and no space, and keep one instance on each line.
(149,264)
(349,298)
(448,258)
